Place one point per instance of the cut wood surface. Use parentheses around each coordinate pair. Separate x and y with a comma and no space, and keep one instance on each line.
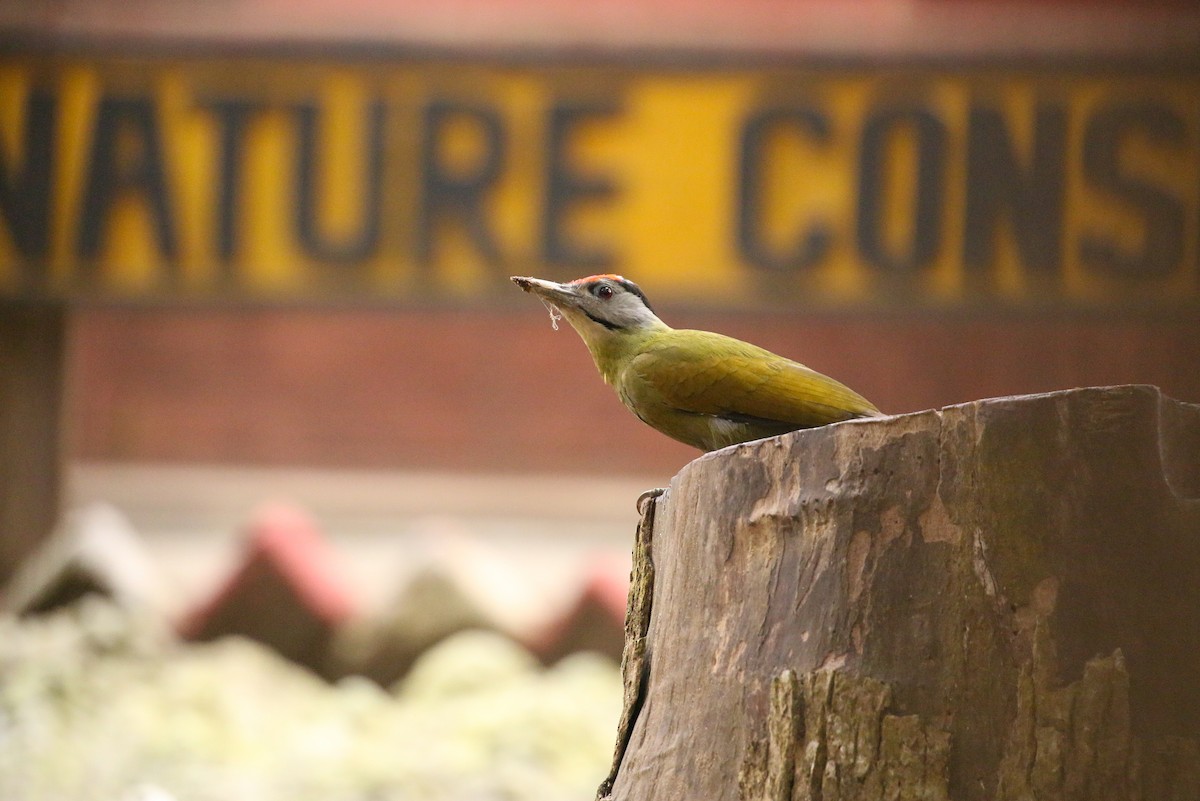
(997,600)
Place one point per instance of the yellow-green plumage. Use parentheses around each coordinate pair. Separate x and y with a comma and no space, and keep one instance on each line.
(681,381)
(705,389)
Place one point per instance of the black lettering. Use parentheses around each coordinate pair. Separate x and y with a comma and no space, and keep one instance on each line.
(233,117)
(566,187)
(930,135)
(448,193)
(813,242)
(1029,194)
(25,187)
(1162,213)
(357,246)
(115,170)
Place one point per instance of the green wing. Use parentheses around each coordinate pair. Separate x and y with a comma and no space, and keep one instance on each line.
(711,374)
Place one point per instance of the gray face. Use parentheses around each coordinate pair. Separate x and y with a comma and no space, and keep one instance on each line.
(604,302)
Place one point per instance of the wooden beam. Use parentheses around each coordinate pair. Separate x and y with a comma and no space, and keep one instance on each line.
(32,346)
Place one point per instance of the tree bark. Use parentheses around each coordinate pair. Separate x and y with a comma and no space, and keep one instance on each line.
(998,600)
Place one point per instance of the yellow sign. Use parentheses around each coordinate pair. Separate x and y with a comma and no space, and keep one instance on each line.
(286,177)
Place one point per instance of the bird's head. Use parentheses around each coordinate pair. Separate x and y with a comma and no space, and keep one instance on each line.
(602,308)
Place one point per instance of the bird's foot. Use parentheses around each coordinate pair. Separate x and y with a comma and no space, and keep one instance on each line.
(647,497)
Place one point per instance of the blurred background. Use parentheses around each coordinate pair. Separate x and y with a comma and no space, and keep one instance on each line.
(266,387)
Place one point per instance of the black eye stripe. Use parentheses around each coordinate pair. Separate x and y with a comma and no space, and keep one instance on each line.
(634,289)
(594,287)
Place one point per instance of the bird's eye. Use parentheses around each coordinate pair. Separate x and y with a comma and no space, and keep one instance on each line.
(604,292)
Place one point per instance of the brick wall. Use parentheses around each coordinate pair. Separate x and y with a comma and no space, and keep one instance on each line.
(500,391)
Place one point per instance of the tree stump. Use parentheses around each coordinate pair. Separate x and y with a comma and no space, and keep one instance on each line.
(997,600)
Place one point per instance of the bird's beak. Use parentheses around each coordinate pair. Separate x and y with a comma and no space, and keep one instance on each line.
(549,291)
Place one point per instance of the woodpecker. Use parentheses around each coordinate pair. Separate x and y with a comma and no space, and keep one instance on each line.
(704,389)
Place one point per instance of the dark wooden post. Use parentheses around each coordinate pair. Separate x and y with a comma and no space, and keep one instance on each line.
(32,347)
(998,601)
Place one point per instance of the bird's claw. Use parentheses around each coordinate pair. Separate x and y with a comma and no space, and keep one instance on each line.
(647,497)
